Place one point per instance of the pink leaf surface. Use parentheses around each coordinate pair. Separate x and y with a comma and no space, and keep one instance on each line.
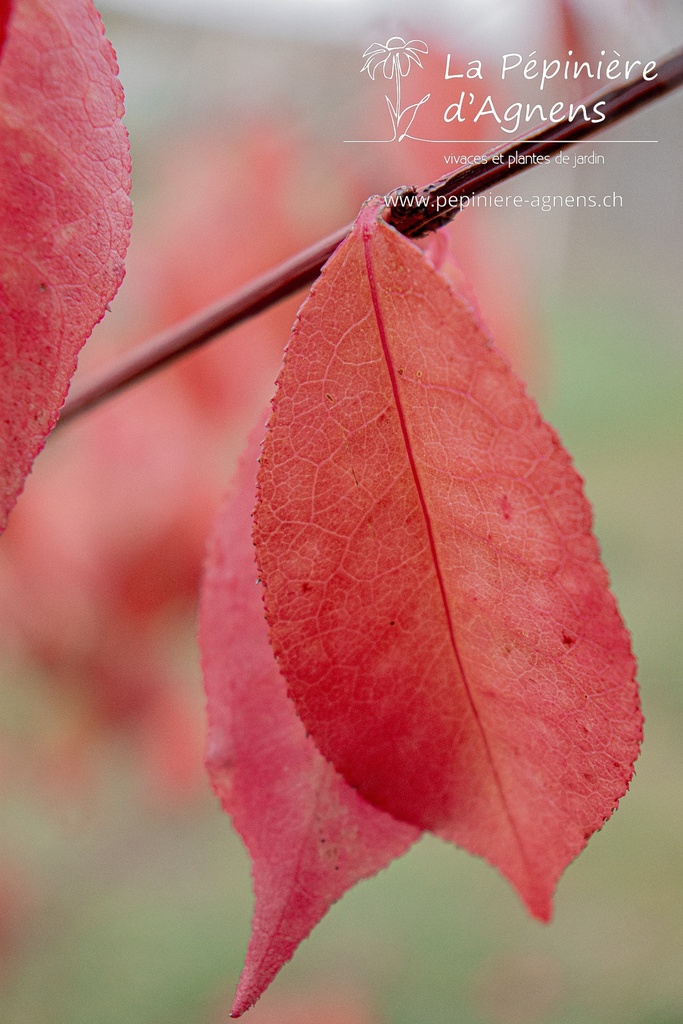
(309,835)
(435,596)
(64,214)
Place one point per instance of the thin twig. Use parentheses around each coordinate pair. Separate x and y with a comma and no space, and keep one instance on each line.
(410,218)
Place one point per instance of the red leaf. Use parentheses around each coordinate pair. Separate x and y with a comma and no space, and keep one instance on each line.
(310,836)
(5,7)
(64,214)
(436,599)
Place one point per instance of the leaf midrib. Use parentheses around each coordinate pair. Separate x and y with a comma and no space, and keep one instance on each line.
(374,294)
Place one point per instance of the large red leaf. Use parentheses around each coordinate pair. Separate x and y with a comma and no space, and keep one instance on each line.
(64,214)
(435,596)
(310,836)
(5,6)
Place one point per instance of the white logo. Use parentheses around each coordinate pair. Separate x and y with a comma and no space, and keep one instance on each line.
(395,58)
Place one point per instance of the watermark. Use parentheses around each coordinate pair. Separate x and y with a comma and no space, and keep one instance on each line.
(545,203)
(394,60)
(523,159)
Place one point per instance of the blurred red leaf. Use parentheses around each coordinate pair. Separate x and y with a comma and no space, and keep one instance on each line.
(64,213)
(99,571)
(435,596)
(310,836)
(101,560)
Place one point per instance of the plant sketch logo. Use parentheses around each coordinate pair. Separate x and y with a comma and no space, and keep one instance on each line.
(483,112)
(396,57)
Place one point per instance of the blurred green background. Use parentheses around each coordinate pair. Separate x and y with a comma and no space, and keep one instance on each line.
(125,895)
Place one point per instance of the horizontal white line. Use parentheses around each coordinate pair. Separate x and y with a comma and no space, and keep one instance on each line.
(492,142)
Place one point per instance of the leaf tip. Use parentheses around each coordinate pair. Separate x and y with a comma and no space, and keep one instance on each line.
(542,909)
(246,995)
(242,1002)
(536,893)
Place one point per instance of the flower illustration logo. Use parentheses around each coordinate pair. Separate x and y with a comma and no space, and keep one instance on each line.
(395,58)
